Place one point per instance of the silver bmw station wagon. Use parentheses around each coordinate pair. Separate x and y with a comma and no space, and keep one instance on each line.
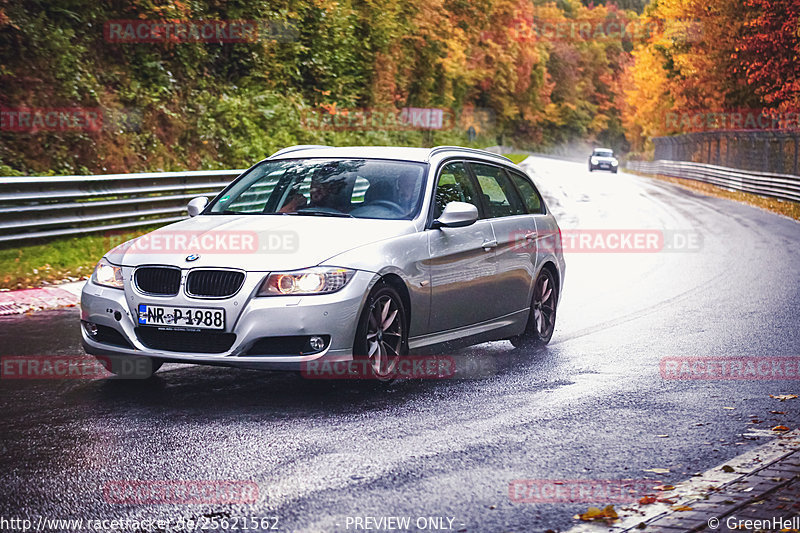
(334,254)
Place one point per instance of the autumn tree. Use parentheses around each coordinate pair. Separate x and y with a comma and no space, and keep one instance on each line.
(769,51)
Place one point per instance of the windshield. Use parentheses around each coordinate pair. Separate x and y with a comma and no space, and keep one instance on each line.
(603,153)
(358,188)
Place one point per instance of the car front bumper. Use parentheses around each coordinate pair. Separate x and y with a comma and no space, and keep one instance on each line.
(335,315)
(602,165)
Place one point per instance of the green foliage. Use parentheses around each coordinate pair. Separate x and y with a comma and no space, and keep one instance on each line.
(175,106)
(57,260)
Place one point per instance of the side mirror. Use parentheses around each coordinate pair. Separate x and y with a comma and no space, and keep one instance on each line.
(196,205)
(457,215)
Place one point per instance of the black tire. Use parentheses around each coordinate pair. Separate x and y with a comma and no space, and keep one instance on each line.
(542,317)
(590,168)
(614,171)
(130,367)
(382,332)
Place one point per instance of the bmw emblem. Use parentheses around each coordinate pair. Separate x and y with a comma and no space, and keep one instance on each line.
(193,257)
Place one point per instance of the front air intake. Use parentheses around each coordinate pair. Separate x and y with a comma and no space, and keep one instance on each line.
(214,283)
(158,281)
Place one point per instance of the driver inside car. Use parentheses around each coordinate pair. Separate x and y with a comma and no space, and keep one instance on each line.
(324,193)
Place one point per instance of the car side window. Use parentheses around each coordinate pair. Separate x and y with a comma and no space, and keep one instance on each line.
(454,185)
(499,194)
(529,194)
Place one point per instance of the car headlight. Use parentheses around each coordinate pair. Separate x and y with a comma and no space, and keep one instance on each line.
(594,160)
(614,162)
(107,275)
(317,280)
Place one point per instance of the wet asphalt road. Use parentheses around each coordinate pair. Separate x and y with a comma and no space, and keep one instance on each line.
(591,405)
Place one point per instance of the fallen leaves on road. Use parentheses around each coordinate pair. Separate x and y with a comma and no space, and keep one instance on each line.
(593,513)
(658,470)
(729,469)
(647,500)
(682,508)
(780,428)
(778,412)
(662,436)
(665,487)
(784,397)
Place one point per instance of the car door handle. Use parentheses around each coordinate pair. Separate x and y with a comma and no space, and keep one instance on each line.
(531,235)
(488,245)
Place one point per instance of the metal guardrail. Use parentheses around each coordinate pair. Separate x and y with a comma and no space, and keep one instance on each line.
(56,206)
(783,186)
(42,207)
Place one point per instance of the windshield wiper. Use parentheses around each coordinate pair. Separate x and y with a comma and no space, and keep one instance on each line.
(232,212)
(317,213)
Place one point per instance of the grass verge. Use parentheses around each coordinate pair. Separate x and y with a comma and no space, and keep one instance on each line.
(782,207)
(59,260)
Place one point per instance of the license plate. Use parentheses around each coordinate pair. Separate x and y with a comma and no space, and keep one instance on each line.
(182,317)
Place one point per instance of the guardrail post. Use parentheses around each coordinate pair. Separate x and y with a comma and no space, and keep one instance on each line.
(727,149)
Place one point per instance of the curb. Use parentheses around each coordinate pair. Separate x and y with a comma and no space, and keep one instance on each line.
(709,488)
(29,300)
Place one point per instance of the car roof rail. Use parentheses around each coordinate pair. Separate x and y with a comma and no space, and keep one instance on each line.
(297,148)
(437,149)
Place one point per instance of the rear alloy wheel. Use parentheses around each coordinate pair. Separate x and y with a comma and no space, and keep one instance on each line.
(382,333)
(542,318)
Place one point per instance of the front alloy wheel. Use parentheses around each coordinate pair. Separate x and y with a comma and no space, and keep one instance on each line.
(382,334)
(542,318)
